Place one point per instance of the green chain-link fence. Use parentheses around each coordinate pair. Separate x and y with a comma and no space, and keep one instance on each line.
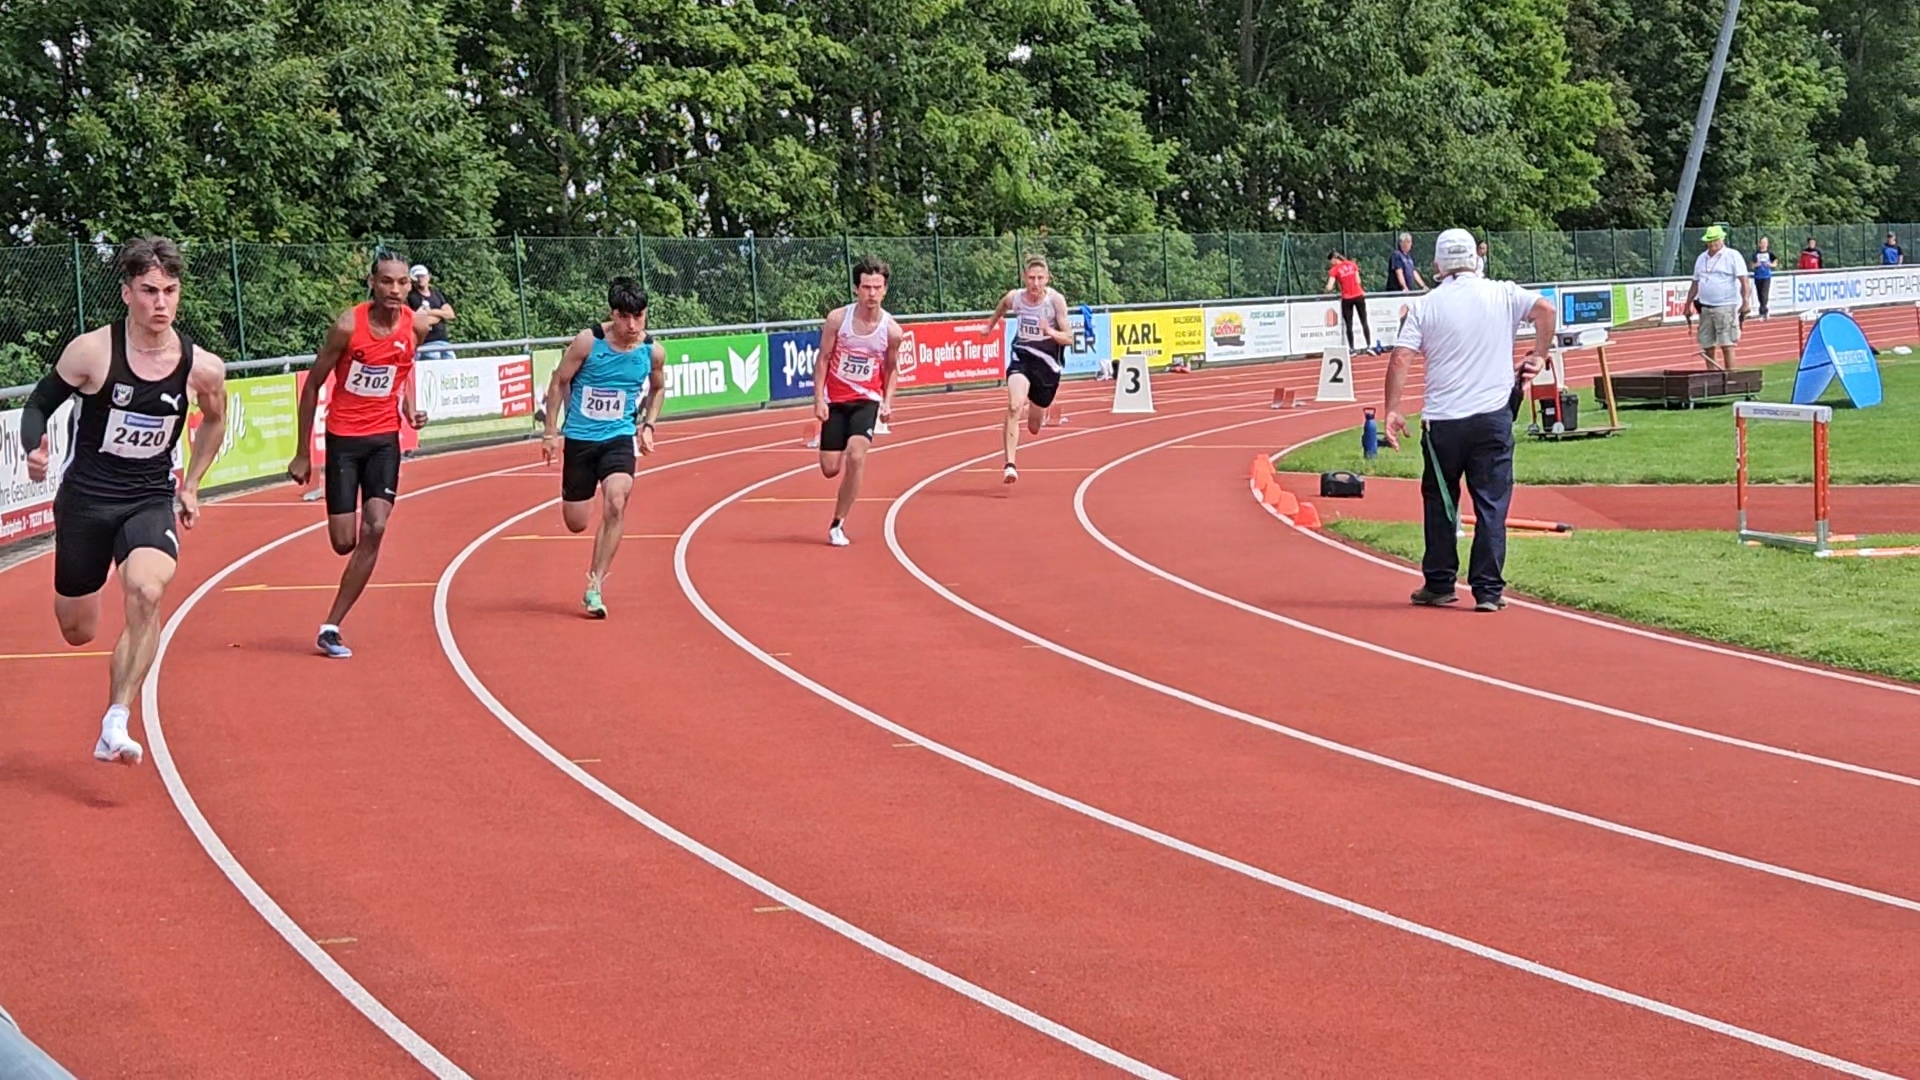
(247,301)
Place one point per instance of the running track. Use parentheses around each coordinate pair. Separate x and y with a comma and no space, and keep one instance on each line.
(1109,773)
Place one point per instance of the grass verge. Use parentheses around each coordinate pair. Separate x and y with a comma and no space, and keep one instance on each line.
(1685,446)
(1852,612)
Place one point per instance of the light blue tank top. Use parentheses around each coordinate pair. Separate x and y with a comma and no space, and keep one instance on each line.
(608,391)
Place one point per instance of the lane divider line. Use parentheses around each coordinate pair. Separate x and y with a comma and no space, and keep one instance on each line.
(1225,862)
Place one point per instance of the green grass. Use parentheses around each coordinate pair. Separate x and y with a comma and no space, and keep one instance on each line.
(1880,445)
(1855,613)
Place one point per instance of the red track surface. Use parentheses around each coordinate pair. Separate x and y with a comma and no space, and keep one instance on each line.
(1129,852)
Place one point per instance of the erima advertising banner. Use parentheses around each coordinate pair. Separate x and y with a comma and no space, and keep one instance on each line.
(948,352)
(26,508)
(790,361)
(1247,332)
(262,429)
(1162,335)
(718,372)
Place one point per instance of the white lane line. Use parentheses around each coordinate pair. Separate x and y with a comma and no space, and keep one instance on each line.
(1407,768)
(189,809)
(1621,627)
(1086,523)
(872,942)
(283,924)
(1352,907)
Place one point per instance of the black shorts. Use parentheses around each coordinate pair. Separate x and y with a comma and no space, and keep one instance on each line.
(361,468)
(584,464)
(1031,358)
(845,419)
(91,535)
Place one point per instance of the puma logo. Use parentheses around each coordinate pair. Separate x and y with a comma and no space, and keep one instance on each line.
(172,400)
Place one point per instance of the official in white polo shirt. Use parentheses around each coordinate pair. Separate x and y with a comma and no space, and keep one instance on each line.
(1720,293)
(1465,330)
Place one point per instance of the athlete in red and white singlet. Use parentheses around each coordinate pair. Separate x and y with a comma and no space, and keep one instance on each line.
(363,387)
(853,387)
(368,357)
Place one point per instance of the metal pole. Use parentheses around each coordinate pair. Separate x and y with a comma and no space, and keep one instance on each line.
(79,294)
(1683,195)
(1166,270)
(520,285)
(239,310)
(1229,262)
(1095,243)
(939,279)
(753,272)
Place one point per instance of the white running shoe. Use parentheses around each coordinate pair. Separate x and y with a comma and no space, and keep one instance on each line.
(1009,475)
(115,745)
(838,537)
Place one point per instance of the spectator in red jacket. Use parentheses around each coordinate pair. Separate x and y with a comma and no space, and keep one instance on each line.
(1810,257)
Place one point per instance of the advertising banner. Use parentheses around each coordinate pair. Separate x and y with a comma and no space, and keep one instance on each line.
(1385,315)
(1247,332)
(476,398)
(1844,289)
(1675,293)
(1162,335)
(1084,357)
(718,372)
(26,508)
(1314,325)
(791,358)
(944,353)
(262,422)
(1586,307)
(1641,303)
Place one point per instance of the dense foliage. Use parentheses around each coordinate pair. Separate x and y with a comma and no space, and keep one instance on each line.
(305,120)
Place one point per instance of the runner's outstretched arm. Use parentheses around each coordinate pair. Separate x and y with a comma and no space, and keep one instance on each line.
(829,339)
(207,382)
(656,395)
(559,387)
(338,335)
(895,336)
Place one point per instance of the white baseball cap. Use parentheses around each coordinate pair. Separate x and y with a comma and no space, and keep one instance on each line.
(1455,250)
(419,270)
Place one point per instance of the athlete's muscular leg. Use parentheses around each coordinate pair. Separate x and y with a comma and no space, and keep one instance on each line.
(856,464)
(614,491)
(1036,418)
(366,552)
(830,462)
(79,617)
(143,578)
(343,531)
(577,515)
(1016,404)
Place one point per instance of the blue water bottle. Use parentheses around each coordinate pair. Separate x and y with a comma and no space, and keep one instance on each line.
(1370,437)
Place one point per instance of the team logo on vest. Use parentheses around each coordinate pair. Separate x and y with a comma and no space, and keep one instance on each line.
(122,394)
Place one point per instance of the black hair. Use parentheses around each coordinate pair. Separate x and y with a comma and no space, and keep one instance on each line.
(383,254)
(149,253)
(871,264)
(1332,255)
(625,296)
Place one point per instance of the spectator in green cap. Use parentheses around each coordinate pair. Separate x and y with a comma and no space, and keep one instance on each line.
(1720,293)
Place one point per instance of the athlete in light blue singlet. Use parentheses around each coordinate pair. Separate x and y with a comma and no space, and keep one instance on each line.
(610,375)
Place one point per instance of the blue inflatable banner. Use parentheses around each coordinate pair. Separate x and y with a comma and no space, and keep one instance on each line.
(1837,347)
(790,361)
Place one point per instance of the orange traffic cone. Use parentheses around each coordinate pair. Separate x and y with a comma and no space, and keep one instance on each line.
(1308,517)
(1279,498)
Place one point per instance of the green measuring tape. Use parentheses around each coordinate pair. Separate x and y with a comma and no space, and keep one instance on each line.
(1439,475)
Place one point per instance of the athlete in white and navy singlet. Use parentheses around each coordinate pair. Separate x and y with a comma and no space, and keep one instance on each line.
(1038,358)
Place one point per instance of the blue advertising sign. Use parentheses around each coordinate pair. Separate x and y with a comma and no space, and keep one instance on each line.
(791,360)
(1586,307)
(1837,347)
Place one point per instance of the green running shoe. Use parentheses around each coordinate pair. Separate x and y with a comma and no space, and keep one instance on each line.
(592,603)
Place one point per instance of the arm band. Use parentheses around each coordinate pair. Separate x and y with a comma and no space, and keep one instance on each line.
(46,397)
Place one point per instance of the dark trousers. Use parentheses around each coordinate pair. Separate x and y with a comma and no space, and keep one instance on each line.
(1761,287)
(1480,449)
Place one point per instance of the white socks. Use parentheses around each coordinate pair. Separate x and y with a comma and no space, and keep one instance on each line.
(115,720)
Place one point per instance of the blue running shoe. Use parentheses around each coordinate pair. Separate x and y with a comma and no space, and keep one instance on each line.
(329,643)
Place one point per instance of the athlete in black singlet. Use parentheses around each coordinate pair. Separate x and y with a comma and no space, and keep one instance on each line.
(115,504)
